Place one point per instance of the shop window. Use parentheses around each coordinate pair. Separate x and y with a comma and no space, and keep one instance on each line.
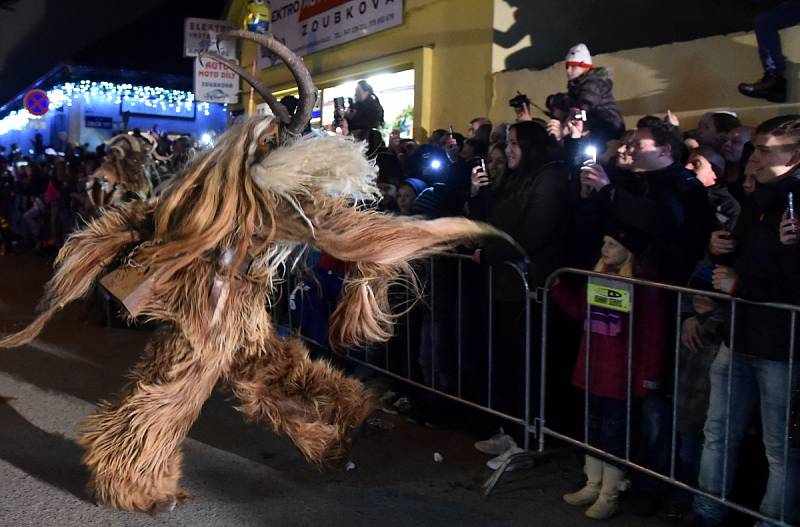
(395,91)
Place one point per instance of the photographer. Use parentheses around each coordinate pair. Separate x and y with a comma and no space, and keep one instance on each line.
(529,203)
(522,107)
(365,113)
(484,177)
(590,89)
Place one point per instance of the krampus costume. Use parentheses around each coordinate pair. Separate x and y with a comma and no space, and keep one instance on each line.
(208,252)
(123,176)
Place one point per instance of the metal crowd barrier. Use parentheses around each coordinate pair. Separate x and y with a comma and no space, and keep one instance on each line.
(538,426)
(544,431)
(287,318)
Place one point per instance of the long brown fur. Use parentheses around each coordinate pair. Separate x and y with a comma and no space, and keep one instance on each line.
(220,241)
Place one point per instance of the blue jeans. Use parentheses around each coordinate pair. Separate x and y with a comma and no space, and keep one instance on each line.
(689,454)
(786,14)
(607,419)
(754,381)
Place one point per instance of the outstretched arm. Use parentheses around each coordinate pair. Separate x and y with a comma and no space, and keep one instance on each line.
(379,248)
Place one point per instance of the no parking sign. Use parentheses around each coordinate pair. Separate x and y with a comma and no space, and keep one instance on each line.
(36,102)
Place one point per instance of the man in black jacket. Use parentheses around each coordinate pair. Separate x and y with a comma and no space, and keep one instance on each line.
(758,357)
(661,199)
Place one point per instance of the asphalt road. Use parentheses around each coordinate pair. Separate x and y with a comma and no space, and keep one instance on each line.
(239,474)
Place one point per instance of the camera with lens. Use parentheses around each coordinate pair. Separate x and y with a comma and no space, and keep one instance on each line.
(520,101)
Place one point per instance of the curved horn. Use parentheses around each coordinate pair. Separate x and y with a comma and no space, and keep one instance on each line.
(305,85)
(277,108)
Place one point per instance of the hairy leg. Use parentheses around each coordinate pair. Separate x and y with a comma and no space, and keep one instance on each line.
(310,401)
(133,445)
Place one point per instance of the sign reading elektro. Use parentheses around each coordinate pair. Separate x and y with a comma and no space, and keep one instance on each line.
(307,26)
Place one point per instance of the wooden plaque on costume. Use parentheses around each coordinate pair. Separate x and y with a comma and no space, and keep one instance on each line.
(132,286)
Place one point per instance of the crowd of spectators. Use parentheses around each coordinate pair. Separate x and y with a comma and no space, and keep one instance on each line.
(45,189)
(708,208)
(42,195)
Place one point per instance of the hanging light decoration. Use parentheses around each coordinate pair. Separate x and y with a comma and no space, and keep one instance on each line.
(88,92)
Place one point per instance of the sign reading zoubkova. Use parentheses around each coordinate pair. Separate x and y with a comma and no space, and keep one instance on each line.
(200,34)
(214,82)
(307,26)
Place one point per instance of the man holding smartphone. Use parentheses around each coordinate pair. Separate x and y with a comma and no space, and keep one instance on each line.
(753,264)
(661,199)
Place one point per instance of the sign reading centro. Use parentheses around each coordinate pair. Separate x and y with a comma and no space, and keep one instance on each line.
(307,26)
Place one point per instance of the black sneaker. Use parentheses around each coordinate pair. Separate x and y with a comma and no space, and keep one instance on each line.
(771,87)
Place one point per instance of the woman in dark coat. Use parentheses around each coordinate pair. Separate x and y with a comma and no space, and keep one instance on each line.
(530,204)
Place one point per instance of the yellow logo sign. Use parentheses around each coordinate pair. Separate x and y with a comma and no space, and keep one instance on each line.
(609,294)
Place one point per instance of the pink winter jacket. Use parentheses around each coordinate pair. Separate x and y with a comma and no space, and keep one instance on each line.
(609,343)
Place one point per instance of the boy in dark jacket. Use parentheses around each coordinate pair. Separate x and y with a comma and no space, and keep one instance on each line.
(756,365)
(589,89)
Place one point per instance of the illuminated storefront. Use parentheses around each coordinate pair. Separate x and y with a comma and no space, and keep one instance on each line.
(91,111)
(425,76)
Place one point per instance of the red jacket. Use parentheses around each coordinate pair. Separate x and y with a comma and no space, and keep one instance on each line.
(609,343)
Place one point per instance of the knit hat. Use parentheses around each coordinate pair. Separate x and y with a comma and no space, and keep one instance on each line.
(417,185)
(579,56)
(632,239)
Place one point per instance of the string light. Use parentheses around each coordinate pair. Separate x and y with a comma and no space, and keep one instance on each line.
(91,92)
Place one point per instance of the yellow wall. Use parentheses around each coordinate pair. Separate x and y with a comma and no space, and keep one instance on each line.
(448,42)
(686,77)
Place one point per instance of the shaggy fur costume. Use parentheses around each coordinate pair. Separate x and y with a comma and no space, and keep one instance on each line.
(217,241)
(123,175)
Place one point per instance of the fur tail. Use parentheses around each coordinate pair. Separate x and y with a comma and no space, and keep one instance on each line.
(377,238)
(381,248)
(83,258)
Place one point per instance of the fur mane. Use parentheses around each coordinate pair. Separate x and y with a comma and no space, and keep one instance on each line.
(225,198)
(211,204)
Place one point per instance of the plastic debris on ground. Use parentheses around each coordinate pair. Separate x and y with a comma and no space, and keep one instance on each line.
(380,424)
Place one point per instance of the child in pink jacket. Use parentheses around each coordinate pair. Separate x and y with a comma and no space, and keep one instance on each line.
(608,362)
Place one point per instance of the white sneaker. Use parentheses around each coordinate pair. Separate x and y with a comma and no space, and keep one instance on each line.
(496,462)
(497,444)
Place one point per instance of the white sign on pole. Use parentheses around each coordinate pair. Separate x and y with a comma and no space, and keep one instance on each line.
(307,26)
(214,82)
(200,34)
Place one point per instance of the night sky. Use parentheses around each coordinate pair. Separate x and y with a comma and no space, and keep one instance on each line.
(146,35)
(152,42)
